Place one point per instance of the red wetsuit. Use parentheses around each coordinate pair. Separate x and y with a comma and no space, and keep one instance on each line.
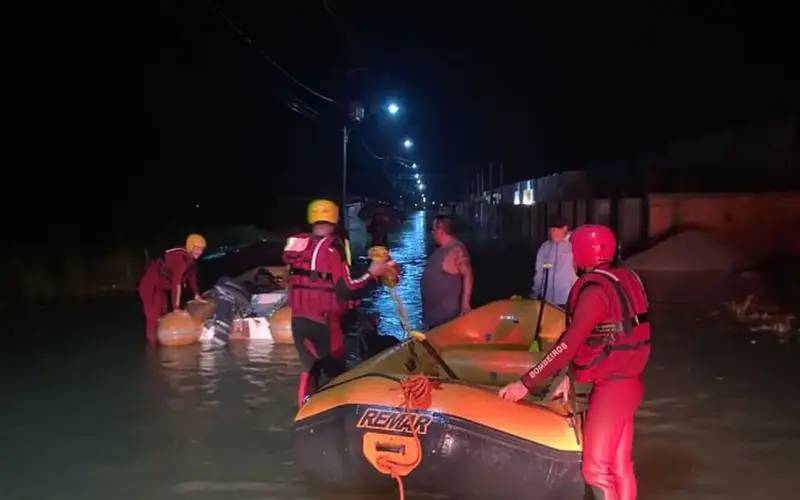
(608,343)
(164,277)
(320,288)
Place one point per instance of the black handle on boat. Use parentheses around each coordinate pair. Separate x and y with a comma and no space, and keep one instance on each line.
(420,337)
(542,295)
(575,412)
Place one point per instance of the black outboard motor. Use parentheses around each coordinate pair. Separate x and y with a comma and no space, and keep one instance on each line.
(232,302)
(263,282)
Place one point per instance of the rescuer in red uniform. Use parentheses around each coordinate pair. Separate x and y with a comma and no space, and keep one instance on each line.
(608,344)
(320,286)
(166,277)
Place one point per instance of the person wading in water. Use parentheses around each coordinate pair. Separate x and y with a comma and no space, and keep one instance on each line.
(447,280)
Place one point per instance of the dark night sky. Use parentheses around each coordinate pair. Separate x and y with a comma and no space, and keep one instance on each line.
(540,86)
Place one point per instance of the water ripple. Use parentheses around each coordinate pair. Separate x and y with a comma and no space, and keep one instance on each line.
(408,250)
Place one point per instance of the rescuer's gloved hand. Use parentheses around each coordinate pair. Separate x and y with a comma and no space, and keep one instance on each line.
(380,255)
(377,269)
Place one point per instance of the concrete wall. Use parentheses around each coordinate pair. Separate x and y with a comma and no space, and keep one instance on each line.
(630,222)
(568,185)
(759,224)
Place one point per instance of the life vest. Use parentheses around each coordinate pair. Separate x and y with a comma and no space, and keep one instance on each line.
(618,346)
(158,270)
(312,290)
(165,270)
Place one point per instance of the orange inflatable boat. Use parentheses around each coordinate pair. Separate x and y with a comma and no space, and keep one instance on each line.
(280,325)
(180,330)
(399,416)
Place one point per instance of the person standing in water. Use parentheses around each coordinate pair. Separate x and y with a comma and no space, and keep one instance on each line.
(448,279)
(319,287)
(555,252)
(165,277)
(607,344)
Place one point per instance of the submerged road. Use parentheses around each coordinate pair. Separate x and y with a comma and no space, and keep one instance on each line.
(90,413)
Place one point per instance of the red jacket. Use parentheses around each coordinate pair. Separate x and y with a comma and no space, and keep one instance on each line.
(319,277)
(608,335)
(171,271)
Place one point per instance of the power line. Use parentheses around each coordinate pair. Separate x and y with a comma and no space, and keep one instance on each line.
(266,56)
(301,108)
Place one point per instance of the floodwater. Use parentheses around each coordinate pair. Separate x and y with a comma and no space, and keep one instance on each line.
(408,249)
(88,412)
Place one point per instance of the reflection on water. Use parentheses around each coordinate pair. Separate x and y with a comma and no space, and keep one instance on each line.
(226,417)
(408,249)
(194,376)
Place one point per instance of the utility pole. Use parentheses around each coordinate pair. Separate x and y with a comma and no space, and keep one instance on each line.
(345,139)
(502,165)
(491,184)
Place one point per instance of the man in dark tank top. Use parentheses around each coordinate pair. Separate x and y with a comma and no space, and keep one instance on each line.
(447,280)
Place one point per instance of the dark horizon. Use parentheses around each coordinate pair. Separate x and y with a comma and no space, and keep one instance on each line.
(540,89)
(532,88)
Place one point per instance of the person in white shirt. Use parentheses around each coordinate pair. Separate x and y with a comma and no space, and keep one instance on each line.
(554,259)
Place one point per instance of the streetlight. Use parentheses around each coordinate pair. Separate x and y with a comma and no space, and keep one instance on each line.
(393,108)
(416,176)
(414,166)
(422,187)
(408,143)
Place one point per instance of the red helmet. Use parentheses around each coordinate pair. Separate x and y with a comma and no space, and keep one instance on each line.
(593,244)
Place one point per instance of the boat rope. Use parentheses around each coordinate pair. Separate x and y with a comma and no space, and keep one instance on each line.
(417,395)
(401,311)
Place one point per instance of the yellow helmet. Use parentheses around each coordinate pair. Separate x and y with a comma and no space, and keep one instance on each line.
(195,240)
(323,211)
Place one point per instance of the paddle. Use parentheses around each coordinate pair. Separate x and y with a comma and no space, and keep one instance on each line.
(535,347)
(422,339)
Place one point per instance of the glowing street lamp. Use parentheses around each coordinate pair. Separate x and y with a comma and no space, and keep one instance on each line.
(408,143)
(393,108)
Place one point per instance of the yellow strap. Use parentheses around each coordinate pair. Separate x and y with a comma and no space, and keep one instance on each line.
(347,252)
(417,335)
